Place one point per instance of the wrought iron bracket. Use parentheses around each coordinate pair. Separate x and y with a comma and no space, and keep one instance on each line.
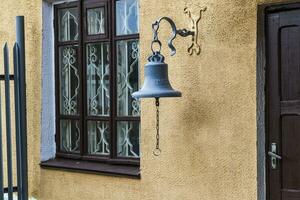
(194,47)
(194,19)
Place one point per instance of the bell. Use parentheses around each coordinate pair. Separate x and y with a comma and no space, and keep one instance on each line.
(156,83)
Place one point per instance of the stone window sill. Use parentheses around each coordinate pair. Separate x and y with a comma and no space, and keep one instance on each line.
(92,167)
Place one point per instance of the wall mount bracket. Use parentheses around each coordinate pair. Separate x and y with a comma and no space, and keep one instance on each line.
(194,21)
(194,47)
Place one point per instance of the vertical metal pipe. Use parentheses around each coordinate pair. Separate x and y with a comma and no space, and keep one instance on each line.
(1,153)
(17,119)
(20,32)
(8,125)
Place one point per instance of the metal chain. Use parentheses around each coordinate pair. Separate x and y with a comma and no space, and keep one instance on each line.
(155,27)
(157,150)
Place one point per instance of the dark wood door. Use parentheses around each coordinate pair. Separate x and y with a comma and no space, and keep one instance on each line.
(283,105)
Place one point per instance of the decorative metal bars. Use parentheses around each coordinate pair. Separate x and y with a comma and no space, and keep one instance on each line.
(98,138)
(69,84)
(20,119)
(98,102)
(69,79)
(128,133)
(128,139)
(70,139)
(96,128)
(127,79)
(127,17)
(96,21)
(68,24)
(98,79)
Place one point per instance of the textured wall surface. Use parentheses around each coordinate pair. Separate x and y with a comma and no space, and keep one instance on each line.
(208,136)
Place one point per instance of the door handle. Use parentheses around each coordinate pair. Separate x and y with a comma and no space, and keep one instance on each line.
(274,156)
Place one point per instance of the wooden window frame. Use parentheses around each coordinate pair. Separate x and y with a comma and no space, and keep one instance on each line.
(84,39)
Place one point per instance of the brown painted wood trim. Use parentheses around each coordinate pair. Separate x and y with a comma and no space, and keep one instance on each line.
(127,37)
(66,43)
(282,6)
(56,72)
(290,107)
(70,117)
(92,167)
(112,161)
(113,79)
(260,80)
(90,5)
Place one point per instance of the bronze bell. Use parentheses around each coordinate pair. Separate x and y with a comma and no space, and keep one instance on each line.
(156,82)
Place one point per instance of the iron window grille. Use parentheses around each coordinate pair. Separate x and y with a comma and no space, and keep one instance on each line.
(96,70)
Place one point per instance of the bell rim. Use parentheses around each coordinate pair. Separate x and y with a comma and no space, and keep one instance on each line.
(157,95)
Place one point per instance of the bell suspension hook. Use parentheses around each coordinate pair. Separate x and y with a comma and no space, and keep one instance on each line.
(175,32)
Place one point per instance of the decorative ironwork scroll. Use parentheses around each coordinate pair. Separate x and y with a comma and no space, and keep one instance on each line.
(128,77)
(128,139)
(69,81)
(98,79)
(98,138)
(127,83)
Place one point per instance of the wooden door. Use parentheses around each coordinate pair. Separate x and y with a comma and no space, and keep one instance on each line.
(283,105)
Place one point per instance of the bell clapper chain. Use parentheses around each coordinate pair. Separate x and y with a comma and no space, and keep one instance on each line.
(157,150)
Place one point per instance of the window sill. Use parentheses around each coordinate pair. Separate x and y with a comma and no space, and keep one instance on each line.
(92,167)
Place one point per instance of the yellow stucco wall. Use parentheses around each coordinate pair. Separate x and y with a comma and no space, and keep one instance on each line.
(208,136)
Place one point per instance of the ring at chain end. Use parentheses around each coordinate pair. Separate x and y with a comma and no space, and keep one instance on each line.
(156,152)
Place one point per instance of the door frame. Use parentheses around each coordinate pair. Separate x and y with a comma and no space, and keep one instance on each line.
(261,65)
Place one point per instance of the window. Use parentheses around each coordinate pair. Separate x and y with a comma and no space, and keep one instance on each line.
(96,71)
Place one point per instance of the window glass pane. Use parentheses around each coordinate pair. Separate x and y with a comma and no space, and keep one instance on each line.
(96,21)
(128,139)
(127,17)
(98,138)
(69,136)
(98,79)
(127,77)
(69,80)
(68,24)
